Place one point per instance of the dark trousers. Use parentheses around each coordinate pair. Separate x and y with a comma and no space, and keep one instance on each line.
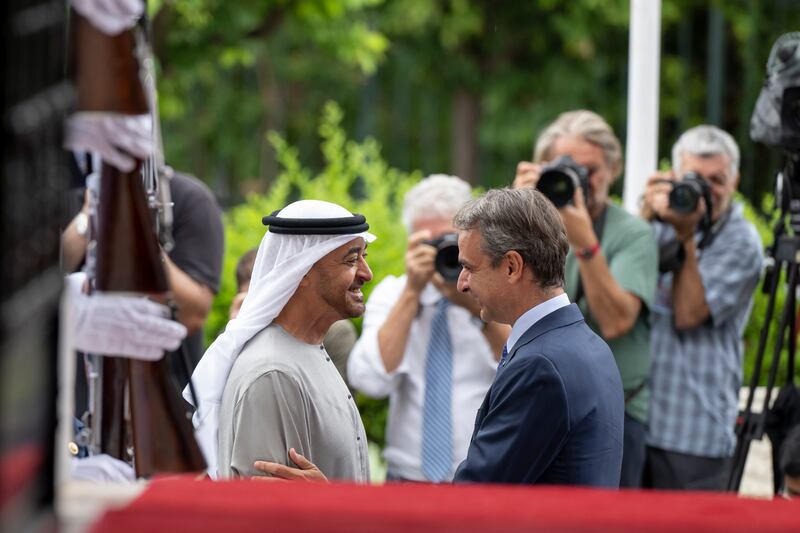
(633,453)
(679,471)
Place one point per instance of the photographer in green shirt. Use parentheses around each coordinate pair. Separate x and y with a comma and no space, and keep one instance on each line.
(612,264)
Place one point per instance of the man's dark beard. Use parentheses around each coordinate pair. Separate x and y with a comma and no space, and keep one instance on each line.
(341,302)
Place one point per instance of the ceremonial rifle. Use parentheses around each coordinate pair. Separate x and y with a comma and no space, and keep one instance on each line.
(159,437)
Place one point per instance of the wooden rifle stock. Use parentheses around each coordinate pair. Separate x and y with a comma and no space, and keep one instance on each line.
(129,261)
(106,71)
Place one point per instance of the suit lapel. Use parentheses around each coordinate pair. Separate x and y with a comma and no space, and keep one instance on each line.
(564,316)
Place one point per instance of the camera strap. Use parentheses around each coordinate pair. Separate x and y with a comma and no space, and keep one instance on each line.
(715,229)
(598,225)
(671,254)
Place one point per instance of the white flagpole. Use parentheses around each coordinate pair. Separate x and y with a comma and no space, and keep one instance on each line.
(644,62)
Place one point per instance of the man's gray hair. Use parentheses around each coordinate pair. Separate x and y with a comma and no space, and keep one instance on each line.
(525,221)
(437,195)
(584,124)
(706,141)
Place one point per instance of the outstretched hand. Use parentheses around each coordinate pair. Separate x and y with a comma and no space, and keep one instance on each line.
(306,471)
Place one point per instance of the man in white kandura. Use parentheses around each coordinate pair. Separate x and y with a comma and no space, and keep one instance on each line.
(267,388)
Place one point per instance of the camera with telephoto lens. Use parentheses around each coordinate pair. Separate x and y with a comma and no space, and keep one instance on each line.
(447,256)
(686,193)
(559,179)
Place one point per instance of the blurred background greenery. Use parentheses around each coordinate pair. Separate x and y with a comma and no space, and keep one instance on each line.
(459,86)
(429,86)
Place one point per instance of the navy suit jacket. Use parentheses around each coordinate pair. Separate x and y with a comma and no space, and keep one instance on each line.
(554,413)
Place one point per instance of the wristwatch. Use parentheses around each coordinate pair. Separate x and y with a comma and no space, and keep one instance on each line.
(588,253)
(82,223)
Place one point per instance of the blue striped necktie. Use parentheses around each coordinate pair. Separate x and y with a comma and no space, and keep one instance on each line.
(502,357)
(437,418)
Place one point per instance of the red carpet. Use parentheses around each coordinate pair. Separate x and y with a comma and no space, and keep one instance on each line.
(18,469)
(181,504)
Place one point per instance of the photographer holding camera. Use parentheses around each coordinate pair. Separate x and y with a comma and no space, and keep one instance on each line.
(424,345)
(711,262)
(611,266)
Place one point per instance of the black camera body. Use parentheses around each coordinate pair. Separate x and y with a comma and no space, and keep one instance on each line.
(447,256)
(686,193)
(683,198)
(559,179)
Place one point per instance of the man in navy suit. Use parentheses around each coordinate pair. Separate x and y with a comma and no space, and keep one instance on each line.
(554,413)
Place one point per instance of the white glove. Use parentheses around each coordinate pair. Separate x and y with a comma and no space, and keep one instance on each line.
(102,468)
(110,16)
(123,326)
(119,139)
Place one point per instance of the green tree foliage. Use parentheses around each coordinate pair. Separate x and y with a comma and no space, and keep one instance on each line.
(355,176)
(515,64)
(224,66)
(714,56)
(440,81)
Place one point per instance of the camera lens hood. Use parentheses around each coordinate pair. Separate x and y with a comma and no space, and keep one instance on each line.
(446,262)
(559,180)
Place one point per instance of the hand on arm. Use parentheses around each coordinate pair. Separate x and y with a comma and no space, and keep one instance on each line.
(393,335)
(305,471)
(270,419)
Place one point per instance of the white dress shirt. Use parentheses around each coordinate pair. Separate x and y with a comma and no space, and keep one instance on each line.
(474,368)
(534,315)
